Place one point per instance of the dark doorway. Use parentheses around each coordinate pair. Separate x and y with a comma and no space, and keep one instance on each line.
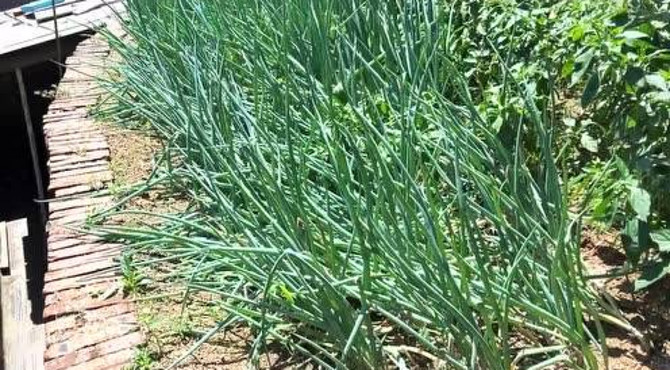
(18,189)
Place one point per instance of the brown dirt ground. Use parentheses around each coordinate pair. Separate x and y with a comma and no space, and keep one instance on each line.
(647,311)
(132,153)
(131,162)
(171,333)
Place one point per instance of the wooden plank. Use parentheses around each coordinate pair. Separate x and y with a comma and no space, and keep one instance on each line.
(82,270)
(63,132)
(78,102)
(48,14)
(90,353)
(84,336)
(76,158)
(15,315)
(23,342)
(109,250)
(84,259)
(79,189)
(79,281)
(76,300)
(56,116)
(83,179)
(112,361)
(64,236)
(16,231)
(70,219)
(60,149)
(4,19)
(79,171)
(24,35)
(98,315)
(88,6)
(71,240)
(76,139)
(33,10)
(61,205)
(15,310)
(4,248)
(35,347)
(56,169)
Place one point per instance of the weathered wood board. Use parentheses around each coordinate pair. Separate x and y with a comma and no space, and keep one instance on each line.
(19,31)
(23,342)
(4,247)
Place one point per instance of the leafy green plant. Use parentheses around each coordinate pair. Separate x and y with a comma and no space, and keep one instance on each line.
(132,280)
(183,328)
(609,60)
(643,243)
(601,191)
(143,360)
(627,94)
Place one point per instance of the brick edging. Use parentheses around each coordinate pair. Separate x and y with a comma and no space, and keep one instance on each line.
(88,323)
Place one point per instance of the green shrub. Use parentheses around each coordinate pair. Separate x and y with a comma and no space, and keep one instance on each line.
(610,62)
(626,66)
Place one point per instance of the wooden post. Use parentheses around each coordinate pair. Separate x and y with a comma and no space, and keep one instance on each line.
(33,144)
(57,37)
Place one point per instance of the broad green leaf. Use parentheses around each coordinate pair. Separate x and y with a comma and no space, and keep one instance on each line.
(643,164)
(660,97)
(633,35)
(577,33)
(601,207)
(630,241)
(582,63)
(662,238)
(568,68)
(589,143)
(497,124)
(652,274)
(569,121)
(634,75)
(640,200)
(656,81)
(659,24)
(591,90)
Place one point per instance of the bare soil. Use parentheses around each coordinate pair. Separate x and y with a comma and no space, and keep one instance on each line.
(173,326)
(648,311)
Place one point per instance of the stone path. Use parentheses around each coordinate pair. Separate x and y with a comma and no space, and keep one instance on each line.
(88,323)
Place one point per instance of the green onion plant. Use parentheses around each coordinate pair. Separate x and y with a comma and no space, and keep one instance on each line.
(348,200)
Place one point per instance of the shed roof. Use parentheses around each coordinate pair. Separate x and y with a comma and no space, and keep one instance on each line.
(20,31)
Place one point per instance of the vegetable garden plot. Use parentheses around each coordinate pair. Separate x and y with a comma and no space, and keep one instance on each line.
(348,197)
